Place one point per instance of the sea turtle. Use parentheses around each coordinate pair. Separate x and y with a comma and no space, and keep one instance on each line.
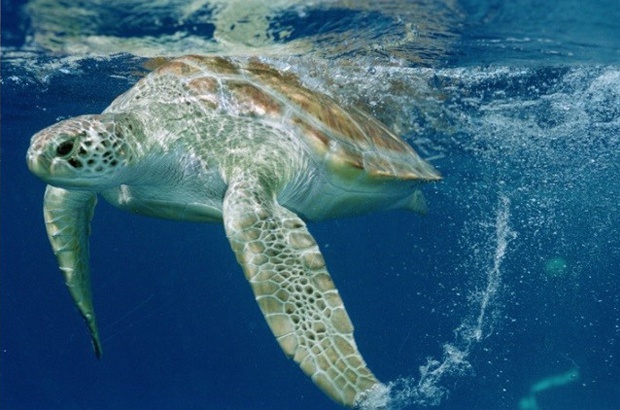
(214,139)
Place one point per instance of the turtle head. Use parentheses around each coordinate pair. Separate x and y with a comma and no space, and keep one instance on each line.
(90,151)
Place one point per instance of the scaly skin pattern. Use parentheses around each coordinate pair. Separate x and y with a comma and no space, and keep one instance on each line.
(212,140)
(67,217)
(295,292)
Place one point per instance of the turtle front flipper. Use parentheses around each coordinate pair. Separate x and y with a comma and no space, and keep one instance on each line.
(67,219)
(294,290)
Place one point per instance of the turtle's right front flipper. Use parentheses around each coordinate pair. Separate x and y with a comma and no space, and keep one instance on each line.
(294,291)
(67,219)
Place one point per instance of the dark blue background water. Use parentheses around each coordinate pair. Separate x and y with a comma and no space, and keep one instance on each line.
(529,111)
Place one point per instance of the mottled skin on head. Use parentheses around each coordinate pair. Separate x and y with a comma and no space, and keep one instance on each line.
(216,140)
(88,150)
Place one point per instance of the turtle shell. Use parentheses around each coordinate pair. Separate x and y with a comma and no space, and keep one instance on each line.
(346,141)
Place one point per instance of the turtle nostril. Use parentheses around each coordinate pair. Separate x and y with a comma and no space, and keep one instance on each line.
(64,148)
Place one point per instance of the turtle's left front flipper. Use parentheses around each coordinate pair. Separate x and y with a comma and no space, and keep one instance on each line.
(67,219)
(295,292)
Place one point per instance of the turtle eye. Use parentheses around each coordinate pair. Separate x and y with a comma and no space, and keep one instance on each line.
(64,148)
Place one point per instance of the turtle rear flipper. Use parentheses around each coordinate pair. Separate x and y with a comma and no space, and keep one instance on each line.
(295,292)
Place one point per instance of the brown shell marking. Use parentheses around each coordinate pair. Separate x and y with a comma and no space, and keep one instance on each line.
(214,64)
(154,63)
(178,68)
(205,89)
(254,101)
(317,138)
(355,141)
(364,133)
(248,99)
(349,140)
(324,110)
(193,64)
(361,129)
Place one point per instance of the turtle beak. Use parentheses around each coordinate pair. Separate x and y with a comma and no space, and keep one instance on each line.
(38,163)
(49,169)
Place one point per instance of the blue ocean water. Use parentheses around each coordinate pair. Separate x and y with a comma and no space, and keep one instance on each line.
(505,296)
